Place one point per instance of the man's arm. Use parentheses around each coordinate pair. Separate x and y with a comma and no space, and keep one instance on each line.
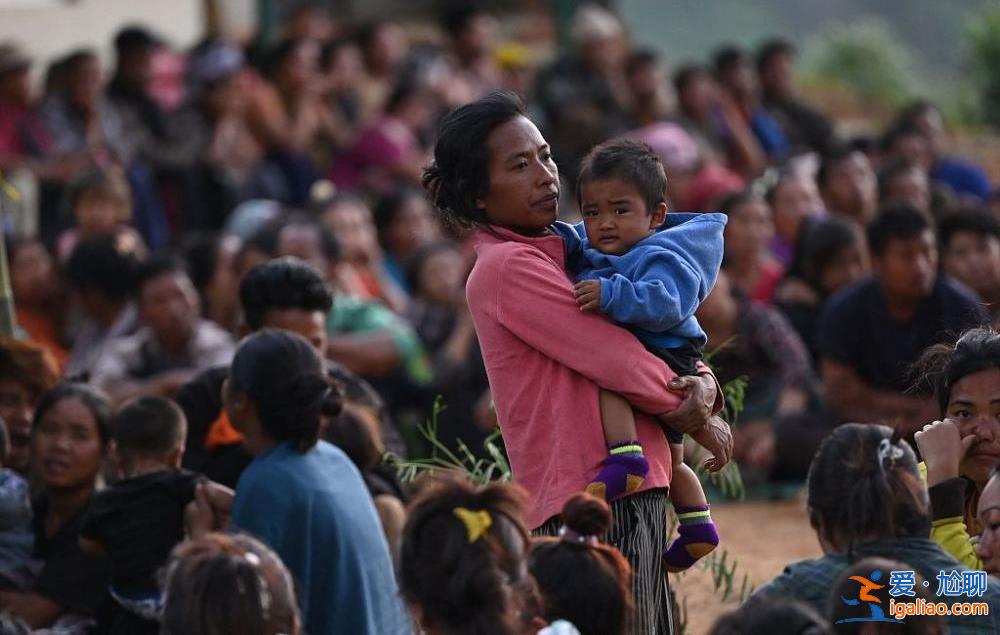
(370,354)
(855,400)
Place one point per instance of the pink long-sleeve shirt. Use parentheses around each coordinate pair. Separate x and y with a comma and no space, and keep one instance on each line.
(546,361)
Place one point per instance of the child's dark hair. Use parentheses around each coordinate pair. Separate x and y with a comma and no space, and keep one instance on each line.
(283,283)
(864,485)
(899,222)
(630,161)
(149,427)
(772,615)
(227,584)
(93,399)
(104,264)
(846,587)
(820,240)
(462,558)
(460,171)
(108,184)
(970,220)
(579,579)
(284,376)
(942,366)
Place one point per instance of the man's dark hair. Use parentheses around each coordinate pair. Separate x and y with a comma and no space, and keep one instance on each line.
(457,19)
(135,38)
(900,222)
(106,265)
(284,283)
(640,58)
(897,132)
(726,57)
(892,171)
(148,427)
(687,74)
(831,159)
(460,171)
(633,162)
(328,242)
(156,267)
(771,49)
(974,221)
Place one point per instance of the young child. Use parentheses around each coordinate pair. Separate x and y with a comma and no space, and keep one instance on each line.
(17,568)
(139,519)
(646,270)
(101,204)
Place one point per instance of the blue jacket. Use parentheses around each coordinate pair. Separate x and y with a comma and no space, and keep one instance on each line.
(654,287)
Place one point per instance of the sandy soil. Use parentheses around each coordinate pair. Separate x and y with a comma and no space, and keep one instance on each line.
(762,537)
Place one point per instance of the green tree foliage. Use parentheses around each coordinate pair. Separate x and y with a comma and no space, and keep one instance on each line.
(983,40)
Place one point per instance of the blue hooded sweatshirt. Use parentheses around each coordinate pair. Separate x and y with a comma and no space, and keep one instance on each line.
(655,287)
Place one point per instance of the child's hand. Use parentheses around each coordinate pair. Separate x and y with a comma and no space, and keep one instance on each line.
(588,295)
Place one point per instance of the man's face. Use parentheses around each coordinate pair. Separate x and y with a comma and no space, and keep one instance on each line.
(908,267)
(309,324)
(851,189)
(974,259)
(169,304)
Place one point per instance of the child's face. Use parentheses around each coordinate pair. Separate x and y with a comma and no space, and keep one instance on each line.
(95,214)
(616,216)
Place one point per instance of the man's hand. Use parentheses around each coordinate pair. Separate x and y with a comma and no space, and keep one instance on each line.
(717,438)
(588,295)
(695,410)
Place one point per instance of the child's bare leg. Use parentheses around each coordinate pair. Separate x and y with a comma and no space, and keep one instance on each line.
(697,534)
(625,467)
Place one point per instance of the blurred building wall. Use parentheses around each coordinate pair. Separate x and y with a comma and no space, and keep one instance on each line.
(50,28)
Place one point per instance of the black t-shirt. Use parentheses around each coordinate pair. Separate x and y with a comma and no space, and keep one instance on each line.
(856,330)
(138,521)
(72,579)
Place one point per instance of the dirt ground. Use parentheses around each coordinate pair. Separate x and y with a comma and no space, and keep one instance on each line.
(762,537)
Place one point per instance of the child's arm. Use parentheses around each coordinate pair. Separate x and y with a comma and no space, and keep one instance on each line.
(220,499)
(662,295)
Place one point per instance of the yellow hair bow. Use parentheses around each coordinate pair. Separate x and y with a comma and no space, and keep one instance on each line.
(476,522)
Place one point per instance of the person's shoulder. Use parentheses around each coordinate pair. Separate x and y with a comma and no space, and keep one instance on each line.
(803,579)
(853,297)
(950,290)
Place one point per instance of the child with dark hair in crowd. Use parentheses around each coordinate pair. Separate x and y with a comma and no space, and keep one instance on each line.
(228,584)
(580,579)
(463,566)
(139,519)
(17,568)
(101,204)
(647,270)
